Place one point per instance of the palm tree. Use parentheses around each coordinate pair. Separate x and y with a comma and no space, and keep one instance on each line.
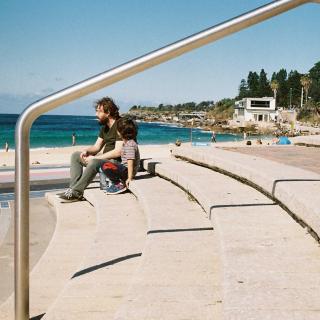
(274,86)
(305,83)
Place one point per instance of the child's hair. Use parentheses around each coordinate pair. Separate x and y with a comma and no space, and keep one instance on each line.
(127,128)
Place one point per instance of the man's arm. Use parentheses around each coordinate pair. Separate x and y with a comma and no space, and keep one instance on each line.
(93,150)
(113,154)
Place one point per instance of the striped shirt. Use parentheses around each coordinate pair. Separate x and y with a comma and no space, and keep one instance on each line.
(130,151)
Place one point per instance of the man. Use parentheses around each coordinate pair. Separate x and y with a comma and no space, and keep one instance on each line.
(107,114)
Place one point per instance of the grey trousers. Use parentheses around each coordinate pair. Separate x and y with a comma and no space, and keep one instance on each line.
(79,178)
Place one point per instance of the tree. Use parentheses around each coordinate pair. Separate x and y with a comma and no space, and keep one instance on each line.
(305,83)
(253,84)
(243,89)
(314,74)
(293,83)
(282,94)
(264,89)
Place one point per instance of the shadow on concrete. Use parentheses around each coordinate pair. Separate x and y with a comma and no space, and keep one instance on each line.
(105,264)
(151,166)
(179,230)
(239,206)
(37,317)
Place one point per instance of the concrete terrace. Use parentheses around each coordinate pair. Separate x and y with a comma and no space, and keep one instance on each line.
(207,233)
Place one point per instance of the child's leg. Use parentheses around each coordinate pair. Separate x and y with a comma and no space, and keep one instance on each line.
(115,171)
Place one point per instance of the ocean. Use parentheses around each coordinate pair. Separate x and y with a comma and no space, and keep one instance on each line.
(56,131)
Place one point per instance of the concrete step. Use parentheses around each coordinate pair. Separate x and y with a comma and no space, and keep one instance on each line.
(42,225)
(179,275)
(294,188)
(100,282)
(271,265)
(71,240)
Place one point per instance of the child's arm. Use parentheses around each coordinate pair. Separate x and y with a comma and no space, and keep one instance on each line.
(130,172)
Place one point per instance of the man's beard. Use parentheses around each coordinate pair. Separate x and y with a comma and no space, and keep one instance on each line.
(102,122)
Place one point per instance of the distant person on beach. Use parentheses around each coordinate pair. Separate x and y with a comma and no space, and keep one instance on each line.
(6,146)
(244,136)
(73,139)
(121,174)
(107,113)
(213,137)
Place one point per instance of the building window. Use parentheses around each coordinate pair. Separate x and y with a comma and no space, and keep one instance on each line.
(260,104)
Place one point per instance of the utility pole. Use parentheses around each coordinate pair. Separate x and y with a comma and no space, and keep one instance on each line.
(301,102)
(290,103)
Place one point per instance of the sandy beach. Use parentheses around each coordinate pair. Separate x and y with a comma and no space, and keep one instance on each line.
(61,156)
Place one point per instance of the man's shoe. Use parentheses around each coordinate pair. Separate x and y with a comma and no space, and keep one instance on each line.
(71,196)
(116,188)
(63,193)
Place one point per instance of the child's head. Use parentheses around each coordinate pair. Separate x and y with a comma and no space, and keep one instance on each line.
(127,129)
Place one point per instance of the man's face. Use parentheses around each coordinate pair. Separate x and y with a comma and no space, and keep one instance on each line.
(101,115)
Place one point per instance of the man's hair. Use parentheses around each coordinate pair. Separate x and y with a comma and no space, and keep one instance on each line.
(127,128)
(108,106)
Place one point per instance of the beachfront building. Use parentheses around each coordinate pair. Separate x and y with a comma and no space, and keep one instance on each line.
(255,109)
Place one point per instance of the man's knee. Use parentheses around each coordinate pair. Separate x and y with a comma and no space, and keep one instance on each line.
(94,164)
(75,157)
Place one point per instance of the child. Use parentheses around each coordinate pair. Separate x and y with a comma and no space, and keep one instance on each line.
(121,174)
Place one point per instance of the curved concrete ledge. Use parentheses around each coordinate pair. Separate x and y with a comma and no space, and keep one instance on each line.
(98,285)
(296,189)
(71,239)
(179,273)
(309,141)
(270,265)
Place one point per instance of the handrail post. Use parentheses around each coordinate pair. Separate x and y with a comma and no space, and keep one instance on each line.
(90,85)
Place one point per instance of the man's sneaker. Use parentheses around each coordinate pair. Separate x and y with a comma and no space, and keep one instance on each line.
(116,188)
(71,196)
(62,193)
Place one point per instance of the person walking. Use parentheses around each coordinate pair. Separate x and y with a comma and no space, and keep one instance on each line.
(213,137)
(73,139)
(107,113)
(6,146)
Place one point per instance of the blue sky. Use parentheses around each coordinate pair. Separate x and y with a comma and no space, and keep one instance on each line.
(46,46)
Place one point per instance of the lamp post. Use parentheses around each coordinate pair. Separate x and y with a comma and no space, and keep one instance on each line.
(290,98)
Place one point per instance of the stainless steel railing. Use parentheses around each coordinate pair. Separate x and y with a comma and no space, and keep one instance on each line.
(33,111)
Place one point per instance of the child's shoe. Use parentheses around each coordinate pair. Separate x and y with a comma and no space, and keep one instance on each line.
(116,188)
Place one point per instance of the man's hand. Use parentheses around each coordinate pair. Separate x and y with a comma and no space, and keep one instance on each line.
(83,155)
(87,159)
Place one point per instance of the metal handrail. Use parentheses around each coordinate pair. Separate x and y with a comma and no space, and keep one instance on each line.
(33,111)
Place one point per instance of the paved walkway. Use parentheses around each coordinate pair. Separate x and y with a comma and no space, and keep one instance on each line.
(307,158)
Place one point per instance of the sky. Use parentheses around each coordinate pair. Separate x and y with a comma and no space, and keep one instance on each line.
(48,45)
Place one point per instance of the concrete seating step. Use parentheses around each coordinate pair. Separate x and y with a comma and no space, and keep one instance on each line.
(100,282)
(42,225)
(294,188)
(271,265)
(179,273)
(71,239)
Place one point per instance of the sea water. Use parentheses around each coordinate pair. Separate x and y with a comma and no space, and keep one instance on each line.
(56,131)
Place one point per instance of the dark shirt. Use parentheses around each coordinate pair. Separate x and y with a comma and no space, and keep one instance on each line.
(109,136)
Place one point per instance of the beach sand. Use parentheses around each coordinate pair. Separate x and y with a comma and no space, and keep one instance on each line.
(61,156)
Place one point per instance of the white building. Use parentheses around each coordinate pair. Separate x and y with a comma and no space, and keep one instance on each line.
(255,109)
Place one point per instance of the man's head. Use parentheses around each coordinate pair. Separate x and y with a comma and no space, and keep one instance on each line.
(106,109)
